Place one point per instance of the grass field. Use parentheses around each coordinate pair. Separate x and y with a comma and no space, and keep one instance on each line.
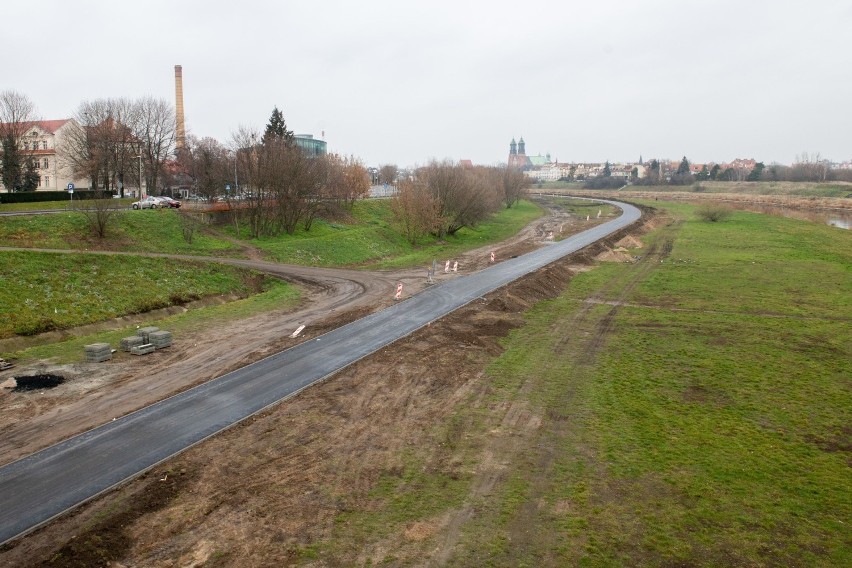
(695,407)
(369,240)
(133,231)
(275,295)
(45,291)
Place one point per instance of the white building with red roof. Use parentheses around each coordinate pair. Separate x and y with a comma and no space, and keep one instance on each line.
(40,141)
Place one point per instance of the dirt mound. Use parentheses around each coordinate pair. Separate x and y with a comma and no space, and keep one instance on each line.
(630,242)
(614,255)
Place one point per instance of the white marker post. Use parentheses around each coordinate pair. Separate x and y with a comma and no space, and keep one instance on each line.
(587,217)
(456,266)
(599,213)
(398,294)
(492,256)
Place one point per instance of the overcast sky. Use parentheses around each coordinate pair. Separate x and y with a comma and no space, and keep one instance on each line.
(407,81)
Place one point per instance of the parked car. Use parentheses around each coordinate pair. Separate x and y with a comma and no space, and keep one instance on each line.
(149,202)
(170,202)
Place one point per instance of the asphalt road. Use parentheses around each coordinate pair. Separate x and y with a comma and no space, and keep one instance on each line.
(46,484)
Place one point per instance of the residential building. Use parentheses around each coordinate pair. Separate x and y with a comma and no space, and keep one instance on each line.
(42,142)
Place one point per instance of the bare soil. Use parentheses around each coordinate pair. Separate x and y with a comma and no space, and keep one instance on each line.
(260,493)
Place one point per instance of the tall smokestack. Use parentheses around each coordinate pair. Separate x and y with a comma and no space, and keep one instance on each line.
(180,137)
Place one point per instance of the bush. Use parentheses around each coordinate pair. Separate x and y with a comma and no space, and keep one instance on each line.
(34,325)
(601,182)
(713,212)
(697,187)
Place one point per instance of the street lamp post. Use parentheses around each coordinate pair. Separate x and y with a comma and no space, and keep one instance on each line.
(140,175)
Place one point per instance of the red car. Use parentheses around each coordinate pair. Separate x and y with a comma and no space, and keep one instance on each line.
(169,201)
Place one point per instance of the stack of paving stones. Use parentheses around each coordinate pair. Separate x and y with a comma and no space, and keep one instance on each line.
(160,339)
(98,352)
(129,342)
(143,332)
(143,349)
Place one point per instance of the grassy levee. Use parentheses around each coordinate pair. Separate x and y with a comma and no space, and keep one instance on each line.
(275,295)
(47,291)
(370,240)
(149,230)
(693,408)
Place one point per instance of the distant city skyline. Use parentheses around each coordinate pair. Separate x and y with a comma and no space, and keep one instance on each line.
(405,83)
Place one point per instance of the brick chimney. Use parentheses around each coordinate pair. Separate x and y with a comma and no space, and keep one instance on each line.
(180,131)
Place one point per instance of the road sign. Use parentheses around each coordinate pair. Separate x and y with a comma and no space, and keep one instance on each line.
(228,187)
(71,187)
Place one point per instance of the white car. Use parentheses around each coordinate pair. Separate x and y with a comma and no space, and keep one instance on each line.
(149,202)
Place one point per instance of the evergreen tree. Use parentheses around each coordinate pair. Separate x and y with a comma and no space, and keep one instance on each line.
(755,174)
(30,179)
(10,166)
(714,171)
(607,172)
(703,174)
(683,168)
(276,129)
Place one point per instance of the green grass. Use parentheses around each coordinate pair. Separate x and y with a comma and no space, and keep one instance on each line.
(44,291)
(276,295)
(369,240)
(132,231)
(712,437)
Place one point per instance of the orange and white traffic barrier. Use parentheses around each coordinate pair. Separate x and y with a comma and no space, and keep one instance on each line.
(447,267)
(398,294)
(492,256)
(456,266)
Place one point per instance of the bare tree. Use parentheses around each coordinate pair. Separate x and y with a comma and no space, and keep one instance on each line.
(206,162)
(388,173)
(17,112)
(105,148)
(99,214)
(514,184)
(464,195)
(155,132)
(17,116)
(347,180)
(416,211)
(811,167)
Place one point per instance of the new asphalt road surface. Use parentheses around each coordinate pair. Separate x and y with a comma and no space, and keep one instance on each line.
(37,488)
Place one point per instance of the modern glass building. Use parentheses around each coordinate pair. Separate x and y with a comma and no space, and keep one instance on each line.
(310,145)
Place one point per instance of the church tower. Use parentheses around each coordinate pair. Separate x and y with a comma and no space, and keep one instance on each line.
(517,155)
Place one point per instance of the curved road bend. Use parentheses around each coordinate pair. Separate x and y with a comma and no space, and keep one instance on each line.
(37,488)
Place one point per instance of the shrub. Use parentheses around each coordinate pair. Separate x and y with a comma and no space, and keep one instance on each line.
(34,325)
(713,212)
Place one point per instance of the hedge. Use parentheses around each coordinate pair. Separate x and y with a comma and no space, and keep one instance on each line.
(38,196)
